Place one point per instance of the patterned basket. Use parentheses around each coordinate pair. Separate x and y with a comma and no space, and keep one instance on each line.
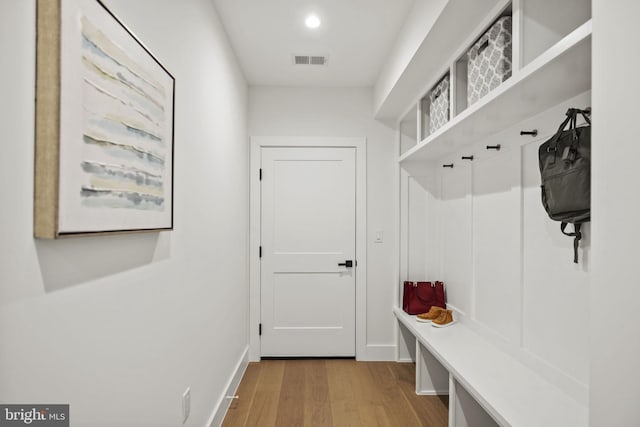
(489,60)
(439,104)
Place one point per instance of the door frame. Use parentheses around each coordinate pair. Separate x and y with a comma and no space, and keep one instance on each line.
(257,143)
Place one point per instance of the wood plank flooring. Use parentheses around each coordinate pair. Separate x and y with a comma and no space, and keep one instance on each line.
(333,392)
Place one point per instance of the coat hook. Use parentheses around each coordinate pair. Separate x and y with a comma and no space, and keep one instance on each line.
(493,147)
(533,133)
(467,158)
(450,165)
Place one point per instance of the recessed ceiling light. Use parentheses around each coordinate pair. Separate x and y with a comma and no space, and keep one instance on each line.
(312,21)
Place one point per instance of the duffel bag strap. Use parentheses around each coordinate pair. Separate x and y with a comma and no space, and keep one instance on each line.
(553,143)
(585,115)
(577,235)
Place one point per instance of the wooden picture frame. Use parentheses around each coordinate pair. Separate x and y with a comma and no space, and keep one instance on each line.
(104,128)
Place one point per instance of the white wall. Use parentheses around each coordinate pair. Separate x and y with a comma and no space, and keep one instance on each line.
(419,22)
(341,112)
(615,288)
(120,326)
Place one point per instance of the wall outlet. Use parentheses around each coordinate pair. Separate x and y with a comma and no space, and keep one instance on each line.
(186,404)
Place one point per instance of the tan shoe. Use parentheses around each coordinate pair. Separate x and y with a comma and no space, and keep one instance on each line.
(445,319)
(433,313)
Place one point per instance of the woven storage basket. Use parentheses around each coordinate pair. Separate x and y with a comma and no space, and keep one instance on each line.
(489,60)
(439,104)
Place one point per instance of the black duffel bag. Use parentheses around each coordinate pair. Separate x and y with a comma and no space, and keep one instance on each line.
(565,171)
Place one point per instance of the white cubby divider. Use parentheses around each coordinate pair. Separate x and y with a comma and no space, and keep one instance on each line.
(408,128)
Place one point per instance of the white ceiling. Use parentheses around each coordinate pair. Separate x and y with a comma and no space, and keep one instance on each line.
(357,35)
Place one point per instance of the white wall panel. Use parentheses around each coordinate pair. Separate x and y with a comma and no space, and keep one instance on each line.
(419,21)
(614,328)
(434,253)
(555,289)
(456,236)
(496,227)
(417,238)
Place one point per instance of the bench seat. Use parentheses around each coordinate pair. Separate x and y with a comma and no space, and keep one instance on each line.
(510,392)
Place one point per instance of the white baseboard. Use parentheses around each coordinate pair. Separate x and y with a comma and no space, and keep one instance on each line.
(222,406)
(379,353)
(433,393)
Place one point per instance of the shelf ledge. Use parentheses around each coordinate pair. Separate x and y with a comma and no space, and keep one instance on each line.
(561,72)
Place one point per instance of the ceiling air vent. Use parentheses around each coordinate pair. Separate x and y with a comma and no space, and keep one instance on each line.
(318,60)
(309,60)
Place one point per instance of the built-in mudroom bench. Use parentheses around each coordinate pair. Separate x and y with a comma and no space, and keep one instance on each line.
(470,211)
(486,385)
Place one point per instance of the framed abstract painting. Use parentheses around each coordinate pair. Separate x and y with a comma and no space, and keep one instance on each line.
(104,126)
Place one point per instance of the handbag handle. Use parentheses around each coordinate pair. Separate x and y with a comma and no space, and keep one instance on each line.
(427,296)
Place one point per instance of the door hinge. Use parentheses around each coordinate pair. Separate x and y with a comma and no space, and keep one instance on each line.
(260,329)
(260,252)
(260,174)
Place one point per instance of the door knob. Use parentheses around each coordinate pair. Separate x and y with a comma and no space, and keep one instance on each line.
(348,263)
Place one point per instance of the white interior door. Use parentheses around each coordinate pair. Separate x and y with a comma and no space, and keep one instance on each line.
(308,229)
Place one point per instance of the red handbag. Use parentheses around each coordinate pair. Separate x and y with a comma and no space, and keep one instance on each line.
(419,297)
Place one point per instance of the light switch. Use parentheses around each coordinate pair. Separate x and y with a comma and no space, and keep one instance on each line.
(379,236)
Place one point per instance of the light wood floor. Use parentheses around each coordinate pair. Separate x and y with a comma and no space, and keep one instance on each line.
(334,392)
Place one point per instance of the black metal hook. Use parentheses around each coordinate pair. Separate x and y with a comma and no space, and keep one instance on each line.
(450,165)
(467,158)
(493,147)
(533,133)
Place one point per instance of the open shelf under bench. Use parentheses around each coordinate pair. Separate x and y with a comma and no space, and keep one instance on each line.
(511,393)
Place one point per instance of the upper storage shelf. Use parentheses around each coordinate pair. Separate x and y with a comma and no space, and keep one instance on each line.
(455,21)
(559,73)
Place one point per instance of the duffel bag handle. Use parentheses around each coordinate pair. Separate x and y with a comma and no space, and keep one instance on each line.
(577,235)
(586,114)
(572,115)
